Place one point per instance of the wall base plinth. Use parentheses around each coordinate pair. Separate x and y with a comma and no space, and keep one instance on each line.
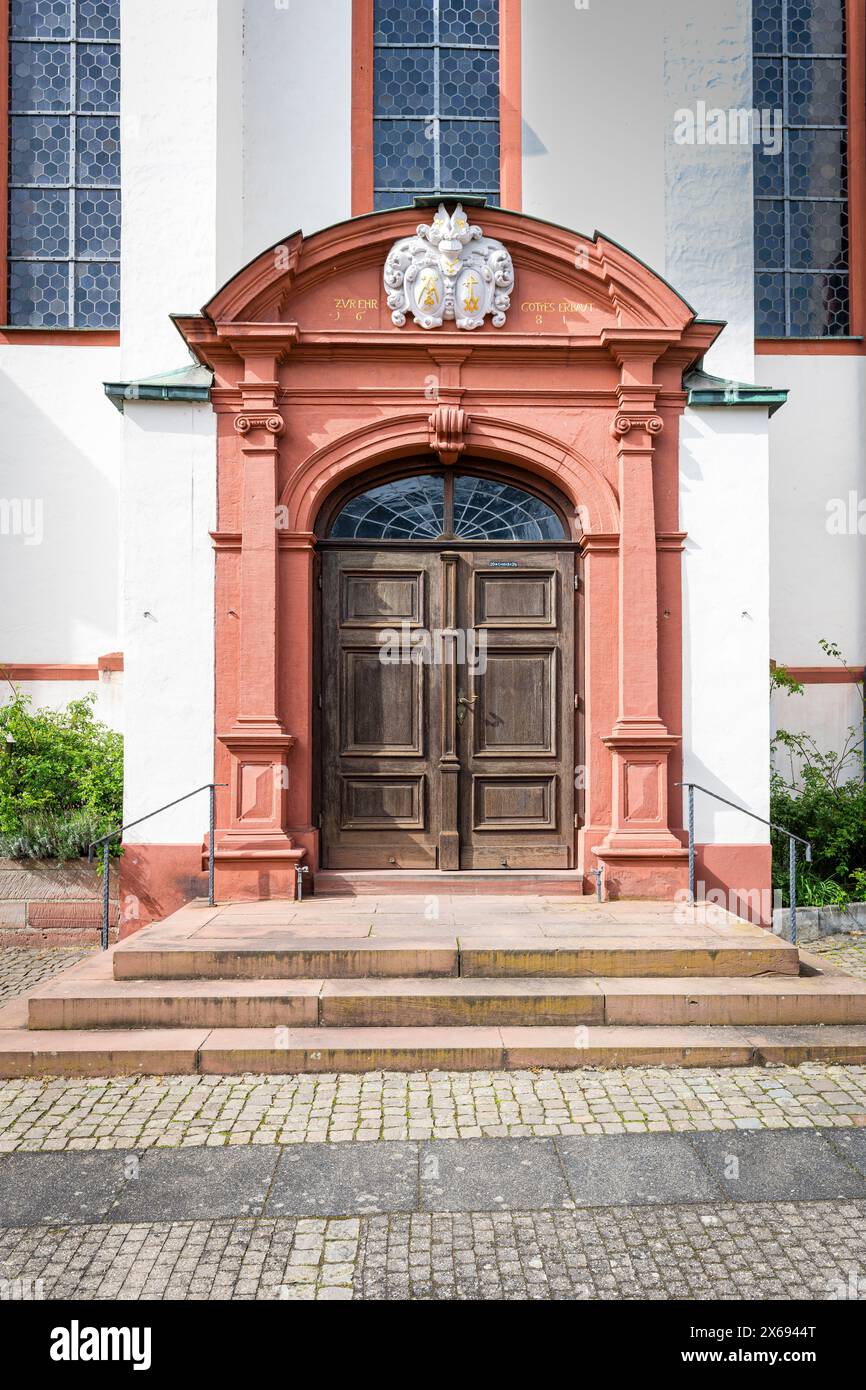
(252,867)
(155,880)
(633,872)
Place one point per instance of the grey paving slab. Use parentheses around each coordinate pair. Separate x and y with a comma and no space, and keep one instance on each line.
(345,1179)
(197,1184)
(767,1166)
(636,1170)
(59,1188)
(851,1145)
(491,1175)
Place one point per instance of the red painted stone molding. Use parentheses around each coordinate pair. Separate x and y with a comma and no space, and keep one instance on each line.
(580,391)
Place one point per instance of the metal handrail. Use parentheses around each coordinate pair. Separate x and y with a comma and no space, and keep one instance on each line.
(105,841)
(793,841)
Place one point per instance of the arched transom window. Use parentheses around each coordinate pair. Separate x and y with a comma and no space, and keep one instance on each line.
(431,506)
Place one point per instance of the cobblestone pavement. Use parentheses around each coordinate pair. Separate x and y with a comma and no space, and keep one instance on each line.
(774,1250)
(131,1112)
(777,1251)
(846,952)
(21,970)
(243,1258)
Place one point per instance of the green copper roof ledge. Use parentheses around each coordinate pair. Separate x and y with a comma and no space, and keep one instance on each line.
(190,383)
(704,389)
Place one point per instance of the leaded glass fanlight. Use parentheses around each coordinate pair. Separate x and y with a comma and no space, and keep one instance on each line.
(409,509)
(485,510)
(425,508)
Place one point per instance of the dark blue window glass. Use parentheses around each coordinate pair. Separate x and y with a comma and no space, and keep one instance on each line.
(801,189)
(64,163)
(435,100)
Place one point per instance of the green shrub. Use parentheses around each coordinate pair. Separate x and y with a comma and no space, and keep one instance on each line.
(61,779)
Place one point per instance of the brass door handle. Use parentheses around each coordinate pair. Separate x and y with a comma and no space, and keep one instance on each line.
(464,704)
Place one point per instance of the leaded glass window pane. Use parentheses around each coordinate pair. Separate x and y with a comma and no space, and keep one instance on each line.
(435,100)
(418,508)
(64,163)
(408,509)
(801,192)
(486,510)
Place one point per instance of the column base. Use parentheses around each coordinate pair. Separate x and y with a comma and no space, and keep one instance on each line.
(255,868)
(658,872)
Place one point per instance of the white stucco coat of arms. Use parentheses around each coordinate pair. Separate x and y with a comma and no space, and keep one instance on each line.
(449,270)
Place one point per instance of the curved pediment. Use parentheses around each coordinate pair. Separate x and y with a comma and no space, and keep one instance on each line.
(332,282)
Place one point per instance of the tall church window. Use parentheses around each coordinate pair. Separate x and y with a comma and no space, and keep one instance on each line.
(801,188)
(63,266)
(435,100)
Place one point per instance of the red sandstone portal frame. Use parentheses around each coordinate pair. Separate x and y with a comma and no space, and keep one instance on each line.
(580,391)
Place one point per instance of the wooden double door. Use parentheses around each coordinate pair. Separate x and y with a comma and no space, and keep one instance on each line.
(447,699)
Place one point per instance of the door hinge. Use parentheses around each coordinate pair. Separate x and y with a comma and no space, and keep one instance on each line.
(576,820)
(319,820)
(319,579)
(576,582)
(576,701)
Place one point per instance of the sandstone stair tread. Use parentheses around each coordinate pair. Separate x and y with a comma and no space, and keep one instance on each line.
(73,1001)
(96,1053)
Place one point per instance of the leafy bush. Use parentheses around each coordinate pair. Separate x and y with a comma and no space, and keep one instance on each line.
(820,796)
(61,779)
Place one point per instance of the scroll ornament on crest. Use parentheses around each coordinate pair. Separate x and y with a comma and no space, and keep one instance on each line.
(449,270)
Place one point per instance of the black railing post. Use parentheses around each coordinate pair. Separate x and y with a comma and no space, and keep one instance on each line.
(691,791)
(105,841)
(210,854)
(792,886)
(793,841)
(106,890)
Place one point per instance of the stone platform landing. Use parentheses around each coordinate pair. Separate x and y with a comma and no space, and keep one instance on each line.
(459,982)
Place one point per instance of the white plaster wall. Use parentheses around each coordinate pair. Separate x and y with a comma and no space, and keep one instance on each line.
(297,118)
(724,507)
(709,219)
(56,695)
(594,111)
(169,506)
(817,454)
(827,713)
(59,458)
(181,190)
(601,89)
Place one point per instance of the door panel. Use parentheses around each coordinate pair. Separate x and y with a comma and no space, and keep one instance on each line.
(516,710)
(514,803)
(379,710)
(502,599)
(517,737)
(373,600)
(380,802)
(447,708)
(381,705)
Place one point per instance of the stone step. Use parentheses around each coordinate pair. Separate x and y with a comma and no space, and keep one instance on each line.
(83,1004)
(283,956)
(232,1051)
(356,883)
(78,1002)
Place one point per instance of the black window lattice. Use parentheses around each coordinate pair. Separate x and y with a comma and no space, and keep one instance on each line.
(64,163)
(435,100)
(801,192)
